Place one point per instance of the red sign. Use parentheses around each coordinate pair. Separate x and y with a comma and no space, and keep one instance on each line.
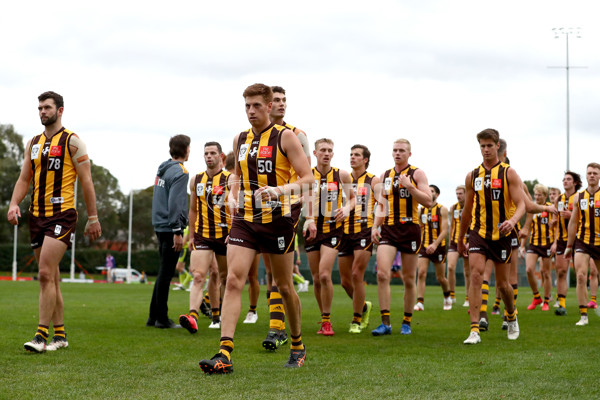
(217,190)
(362,191)
(570,206)
(496,183)
(544,214)
(332,186)
(597,204)
(434,218)
(55,151)
(265,151)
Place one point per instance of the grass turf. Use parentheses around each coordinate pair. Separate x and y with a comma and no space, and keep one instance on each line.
(112,354)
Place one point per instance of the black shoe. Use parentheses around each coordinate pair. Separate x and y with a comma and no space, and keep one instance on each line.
(296,359)
(150,322)
(166,324)
(219,364)
(283,337)
(483,324)
(205,309)
(273,340)
(560,311)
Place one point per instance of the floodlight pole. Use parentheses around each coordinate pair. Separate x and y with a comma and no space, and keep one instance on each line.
(567,32)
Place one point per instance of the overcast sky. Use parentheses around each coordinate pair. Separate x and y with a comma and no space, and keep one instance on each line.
(134,74)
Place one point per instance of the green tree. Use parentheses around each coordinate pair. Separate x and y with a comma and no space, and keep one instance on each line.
(530,185)
(11,159)
(110,203)
(142,233)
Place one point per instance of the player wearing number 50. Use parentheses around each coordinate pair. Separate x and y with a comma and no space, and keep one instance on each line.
(265,156)
(53,160)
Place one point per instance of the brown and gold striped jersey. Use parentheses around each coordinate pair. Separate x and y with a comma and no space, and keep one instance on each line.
(541,234)
(455,214)
(361,217)
(588,230)
(327,190)
(53,173)
(262,162)
(492,202)
(402,207)
(431,220)
(213,219)
(564,203)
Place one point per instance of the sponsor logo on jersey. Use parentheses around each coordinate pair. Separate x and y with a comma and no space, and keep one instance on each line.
(362,191)
(55,151)
(217,190)
(57,200)
(332,186)
(265,151)
(496,183)
(435,218)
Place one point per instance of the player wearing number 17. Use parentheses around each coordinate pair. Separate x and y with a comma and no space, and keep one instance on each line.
(492,190)
(265,155)
(53,160)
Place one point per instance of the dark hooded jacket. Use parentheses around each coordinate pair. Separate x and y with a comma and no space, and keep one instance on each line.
(170,198)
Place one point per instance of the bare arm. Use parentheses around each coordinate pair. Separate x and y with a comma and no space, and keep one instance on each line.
(421,191)
(343,212)
(444,227)
(572,228)
(465,219)
(21,188)
(84,173)
(516,194)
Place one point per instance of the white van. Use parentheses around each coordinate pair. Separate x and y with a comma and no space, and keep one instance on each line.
(120,275)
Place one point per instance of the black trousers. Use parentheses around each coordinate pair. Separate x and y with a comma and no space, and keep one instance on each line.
(159,310)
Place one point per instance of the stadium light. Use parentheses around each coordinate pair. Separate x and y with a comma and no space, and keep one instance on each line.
(566,32)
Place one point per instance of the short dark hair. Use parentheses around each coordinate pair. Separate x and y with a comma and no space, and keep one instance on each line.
(58,99)
(435,189)
(214,144)
(365,152)
(576,179)
(278,89)
(178,145)
(489,134)
(259,89)
(230,161)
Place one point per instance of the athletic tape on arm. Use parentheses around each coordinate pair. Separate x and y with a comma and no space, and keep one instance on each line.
(80,156)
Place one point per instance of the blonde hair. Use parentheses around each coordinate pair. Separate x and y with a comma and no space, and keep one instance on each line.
(461,187)
(541,188)
(323,140)
(405,141)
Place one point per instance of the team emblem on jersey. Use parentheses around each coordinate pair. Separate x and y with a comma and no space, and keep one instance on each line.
(57,230)
(253,152)
(424,218)
(456,214)
(333,241)
(388,184)
(55,151)
(281,242)
(561,206)
(315,185)
(478,184)
(583,203)
(35,151)
(200,189)
(265,151)
(496,183)
(503,255)
(46,150)
(514,242)
(413,245)
(363,242)
(440,257)
(243,151)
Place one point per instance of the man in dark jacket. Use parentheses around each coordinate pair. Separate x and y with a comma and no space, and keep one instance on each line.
(169,217)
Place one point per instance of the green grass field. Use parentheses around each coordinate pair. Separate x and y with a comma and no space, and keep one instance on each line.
(112,354)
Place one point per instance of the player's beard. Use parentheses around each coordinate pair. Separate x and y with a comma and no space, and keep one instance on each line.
(50,120)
